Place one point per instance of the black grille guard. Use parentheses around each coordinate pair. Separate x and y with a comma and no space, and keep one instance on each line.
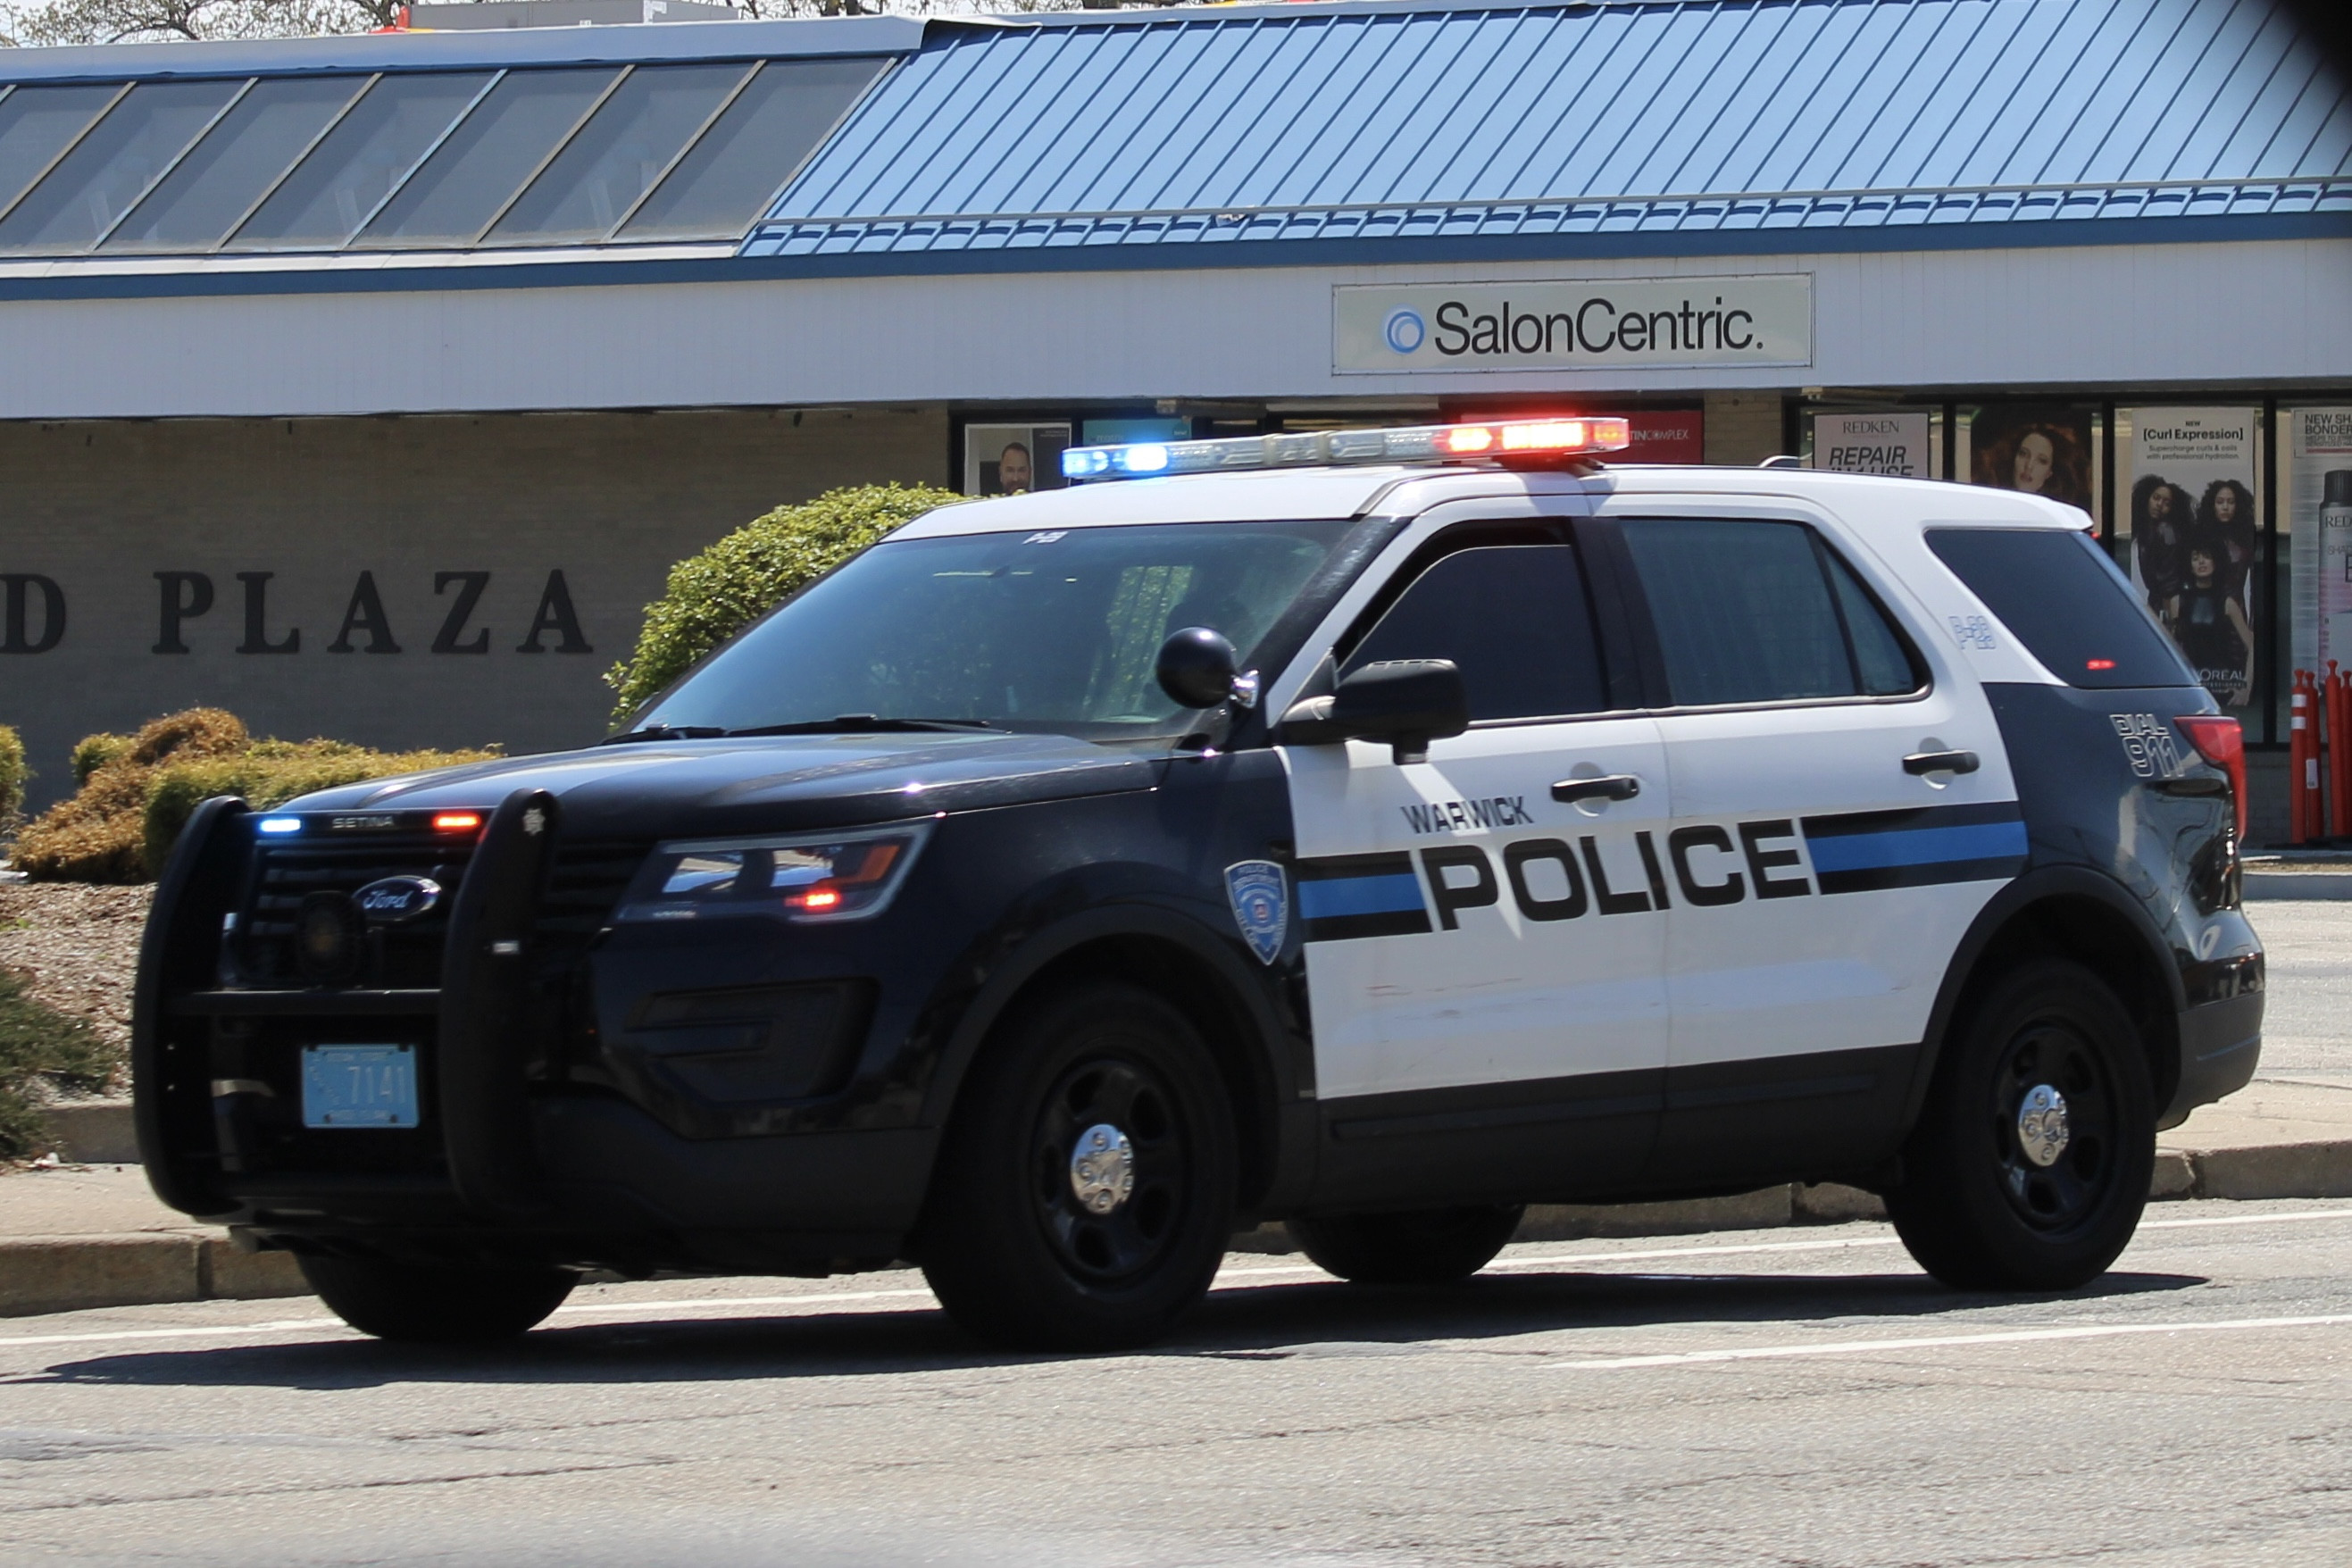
(483,1009)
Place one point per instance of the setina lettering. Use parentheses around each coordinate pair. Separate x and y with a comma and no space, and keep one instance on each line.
(364,622)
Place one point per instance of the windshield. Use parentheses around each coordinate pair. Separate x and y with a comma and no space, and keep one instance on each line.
(1056,630)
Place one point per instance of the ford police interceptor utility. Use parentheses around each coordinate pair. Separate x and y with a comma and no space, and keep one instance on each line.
(1374,830)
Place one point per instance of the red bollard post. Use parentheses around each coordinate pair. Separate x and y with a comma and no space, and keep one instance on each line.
(2303,765)
(2339,752)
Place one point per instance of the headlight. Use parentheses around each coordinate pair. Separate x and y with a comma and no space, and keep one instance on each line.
(828,877)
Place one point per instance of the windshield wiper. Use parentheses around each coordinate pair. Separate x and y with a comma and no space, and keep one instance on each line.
(868,724)
(666,732)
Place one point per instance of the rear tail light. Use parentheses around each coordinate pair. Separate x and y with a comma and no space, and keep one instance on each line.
(2219,741)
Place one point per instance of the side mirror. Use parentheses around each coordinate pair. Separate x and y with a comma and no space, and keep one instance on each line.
(1407,702)
(1197,667)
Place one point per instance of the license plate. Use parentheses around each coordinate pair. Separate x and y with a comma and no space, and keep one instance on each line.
(359,1086)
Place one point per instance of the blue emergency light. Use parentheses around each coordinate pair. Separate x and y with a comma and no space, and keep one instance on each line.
(1511,442)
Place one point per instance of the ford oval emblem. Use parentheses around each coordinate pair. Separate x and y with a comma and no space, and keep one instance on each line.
(397,899)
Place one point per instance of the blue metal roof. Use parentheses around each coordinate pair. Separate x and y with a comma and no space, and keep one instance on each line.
(1641,125)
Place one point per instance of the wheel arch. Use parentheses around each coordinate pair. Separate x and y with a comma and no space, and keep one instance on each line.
(1186,966)
(2075,913)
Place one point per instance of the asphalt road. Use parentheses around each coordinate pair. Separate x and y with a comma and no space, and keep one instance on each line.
(1785,1397)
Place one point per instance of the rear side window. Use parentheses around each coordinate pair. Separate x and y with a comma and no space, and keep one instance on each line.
(1762,612)
(1513,619)
(2060,596)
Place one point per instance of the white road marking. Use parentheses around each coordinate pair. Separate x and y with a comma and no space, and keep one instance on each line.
(816,1299)
(2004,1337)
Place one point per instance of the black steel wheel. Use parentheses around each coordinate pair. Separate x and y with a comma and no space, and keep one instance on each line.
(1426,1247)
(2031,1162)
(1085,1188)
(439,1305)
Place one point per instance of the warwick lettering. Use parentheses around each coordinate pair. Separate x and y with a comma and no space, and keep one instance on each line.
(33,616)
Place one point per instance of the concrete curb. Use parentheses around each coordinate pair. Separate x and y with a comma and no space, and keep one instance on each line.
(99,1133)
(74,1273)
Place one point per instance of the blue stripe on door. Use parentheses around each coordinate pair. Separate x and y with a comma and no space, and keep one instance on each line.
(1918,847)
(1342,896)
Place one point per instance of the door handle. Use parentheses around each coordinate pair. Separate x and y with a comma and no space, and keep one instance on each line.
(1920,764)
(1608,786)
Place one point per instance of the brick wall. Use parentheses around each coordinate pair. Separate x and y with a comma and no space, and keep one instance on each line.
(420,505)
(1743,429)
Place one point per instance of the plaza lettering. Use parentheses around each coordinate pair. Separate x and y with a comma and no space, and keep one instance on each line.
(251,615)
(1594,327)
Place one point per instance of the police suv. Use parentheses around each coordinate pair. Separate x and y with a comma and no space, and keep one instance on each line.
(1374,830)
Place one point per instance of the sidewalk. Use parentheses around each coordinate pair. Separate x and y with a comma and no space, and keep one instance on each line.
(93,1235)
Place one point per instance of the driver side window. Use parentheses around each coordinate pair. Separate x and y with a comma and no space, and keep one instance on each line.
(1514,619)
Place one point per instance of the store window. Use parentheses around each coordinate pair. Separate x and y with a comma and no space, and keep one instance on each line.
(2316,510)
(2188,532)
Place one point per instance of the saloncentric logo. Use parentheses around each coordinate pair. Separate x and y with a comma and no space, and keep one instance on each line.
(1404,330)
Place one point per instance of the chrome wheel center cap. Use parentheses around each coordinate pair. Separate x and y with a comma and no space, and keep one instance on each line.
(1102,1168)
(2041,1128)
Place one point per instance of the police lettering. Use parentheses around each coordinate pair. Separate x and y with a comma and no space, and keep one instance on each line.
(1712,865)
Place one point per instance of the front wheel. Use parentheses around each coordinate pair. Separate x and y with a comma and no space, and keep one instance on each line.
(1426,1246)
(2031,1162)
(438,1306)
(1085,1188)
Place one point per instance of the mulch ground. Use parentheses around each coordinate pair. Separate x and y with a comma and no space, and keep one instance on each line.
(76,947)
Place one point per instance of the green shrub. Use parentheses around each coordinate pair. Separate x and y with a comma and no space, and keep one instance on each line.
(93,752)
(39,1045)
(268,775)
(713,595)
(13,775)
(121,825)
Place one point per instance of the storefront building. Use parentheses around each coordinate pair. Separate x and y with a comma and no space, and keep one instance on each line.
(370,386)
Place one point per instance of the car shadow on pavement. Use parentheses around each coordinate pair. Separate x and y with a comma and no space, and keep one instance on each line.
(1270,1322)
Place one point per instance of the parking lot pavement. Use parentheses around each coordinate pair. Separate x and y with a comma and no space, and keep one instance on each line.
(2308,947)
(1776,1396)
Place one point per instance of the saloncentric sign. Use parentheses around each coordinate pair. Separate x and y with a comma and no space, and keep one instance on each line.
(1661,323)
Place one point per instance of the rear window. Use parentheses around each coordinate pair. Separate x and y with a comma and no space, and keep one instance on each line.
(2060,596)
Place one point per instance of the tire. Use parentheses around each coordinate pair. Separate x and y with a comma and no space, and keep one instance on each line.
(1977,1207)
(1013,1249)
(429,1305)
(1427,1246)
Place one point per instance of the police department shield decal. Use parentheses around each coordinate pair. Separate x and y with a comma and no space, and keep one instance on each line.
(1261,901)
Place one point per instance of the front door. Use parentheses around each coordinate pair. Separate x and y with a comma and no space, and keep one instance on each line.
(1484,945)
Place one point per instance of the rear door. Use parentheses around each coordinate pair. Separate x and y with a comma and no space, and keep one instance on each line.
(1843,808)
(1483,961)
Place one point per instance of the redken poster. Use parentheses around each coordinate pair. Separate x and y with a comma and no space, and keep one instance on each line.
(2194,530)
(2318,514)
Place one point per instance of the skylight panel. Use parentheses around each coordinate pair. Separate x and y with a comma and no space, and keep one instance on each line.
(622,150)
(236,164)
(732,175)
(361,162)
(112,166)
(477,172)
(36,123)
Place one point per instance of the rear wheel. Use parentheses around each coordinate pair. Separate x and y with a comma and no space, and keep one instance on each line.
(2031,1162)
(1426,1246)
(441,1306)
(1085,1185)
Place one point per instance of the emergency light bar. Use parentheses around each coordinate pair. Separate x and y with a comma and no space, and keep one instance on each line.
(1527,440)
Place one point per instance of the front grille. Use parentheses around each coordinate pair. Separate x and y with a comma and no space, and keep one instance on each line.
(400,956)
(583,887)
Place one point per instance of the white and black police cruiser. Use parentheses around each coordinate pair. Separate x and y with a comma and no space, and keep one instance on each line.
(1375,830)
